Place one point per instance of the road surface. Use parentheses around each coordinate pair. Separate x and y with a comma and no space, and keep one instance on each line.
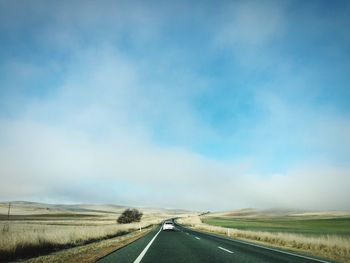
(186,245)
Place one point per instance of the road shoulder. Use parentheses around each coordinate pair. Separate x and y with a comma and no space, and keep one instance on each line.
(91,252)
(268,246)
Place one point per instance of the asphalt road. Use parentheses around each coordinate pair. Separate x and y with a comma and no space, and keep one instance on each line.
(185,245)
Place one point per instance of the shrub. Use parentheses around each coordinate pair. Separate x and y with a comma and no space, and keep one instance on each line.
(129,216)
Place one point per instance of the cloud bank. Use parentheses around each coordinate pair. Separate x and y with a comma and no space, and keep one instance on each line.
(155,105)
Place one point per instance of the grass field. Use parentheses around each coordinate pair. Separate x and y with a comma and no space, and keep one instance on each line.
(324,234)
(300,225)
(35,229)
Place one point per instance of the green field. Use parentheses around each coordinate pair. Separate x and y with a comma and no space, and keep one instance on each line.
(302,225)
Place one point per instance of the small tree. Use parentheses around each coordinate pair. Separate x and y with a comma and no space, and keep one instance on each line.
(129,216)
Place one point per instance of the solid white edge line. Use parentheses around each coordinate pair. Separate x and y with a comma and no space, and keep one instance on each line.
(139,258)
(284,252)
(254,245)
(224,249)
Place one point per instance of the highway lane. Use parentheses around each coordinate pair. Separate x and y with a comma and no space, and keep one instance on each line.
(186,245)
(130,252)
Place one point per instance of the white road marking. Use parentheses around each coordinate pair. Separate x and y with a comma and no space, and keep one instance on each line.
(224,249)
(139,258)
(280,251)
(275,250)
(187,233)
(198,238)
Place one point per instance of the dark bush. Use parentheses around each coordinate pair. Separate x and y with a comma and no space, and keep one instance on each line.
(129,216)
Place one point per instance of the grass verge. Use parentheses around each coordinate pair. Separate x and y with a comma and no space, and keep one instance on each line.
(333,247)
(91,252)
(303,225)
(37,241)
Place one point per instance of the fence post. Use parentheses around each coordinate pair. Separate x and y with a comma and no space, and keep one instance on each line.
(6,227)
(8,212)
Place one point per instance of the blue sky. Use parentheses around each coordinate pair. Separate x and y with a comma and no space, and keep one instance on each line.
(245,101)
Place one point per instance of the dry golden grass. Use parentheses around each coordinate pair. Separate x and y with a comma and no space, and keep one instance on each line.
(22,235)
(190,220)
(34,232)
(34,239)
(327,246)
(91,252)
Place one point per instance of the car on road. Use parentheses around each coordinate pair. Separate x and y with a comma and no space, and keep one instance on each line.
(168,225)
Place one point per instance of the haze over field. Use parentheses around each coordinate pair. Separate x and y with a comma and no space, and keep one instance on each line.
(185,104)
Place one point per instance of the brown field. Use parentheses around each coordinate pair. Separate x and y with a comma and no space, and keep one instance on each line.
(36,229)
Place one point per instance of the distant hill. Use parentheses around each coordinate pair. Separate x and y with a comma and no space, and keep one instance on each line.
(35,208)
(251,212)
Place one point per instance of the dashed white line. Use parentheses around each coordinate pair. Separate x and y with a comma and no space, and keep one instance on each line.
(271,249)
(139,258)
(224,249)
(198,238)
(280,251)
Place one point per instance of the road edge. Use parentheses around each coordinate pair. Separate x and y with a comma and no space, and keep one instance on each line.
(144,251)
(259,245)
(91,252)
(128,242)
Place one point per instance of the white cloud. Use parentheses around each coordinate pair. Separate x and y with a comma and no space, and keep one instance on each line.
(38,162)
(252,23)
(95,136)
(89,135)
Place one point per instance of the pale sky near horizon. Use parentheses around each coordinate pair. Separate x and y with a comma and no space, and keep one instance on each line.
(208,105)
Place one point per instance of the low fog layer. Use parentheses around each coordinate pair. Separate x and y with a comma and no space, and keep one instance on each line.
(174,106)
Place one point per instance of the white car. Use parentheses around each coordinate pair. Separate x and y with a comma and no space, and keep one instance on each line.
(168,225)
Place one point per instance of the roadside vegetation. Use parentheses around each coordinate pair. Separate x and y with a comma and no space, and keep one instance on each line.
(20,240)
(91,252)
(129,216)
(326,238)
(34,231)
(296,224)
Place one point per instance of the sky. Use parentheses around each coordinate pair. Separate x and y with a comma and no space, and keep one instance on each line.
(203,105)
